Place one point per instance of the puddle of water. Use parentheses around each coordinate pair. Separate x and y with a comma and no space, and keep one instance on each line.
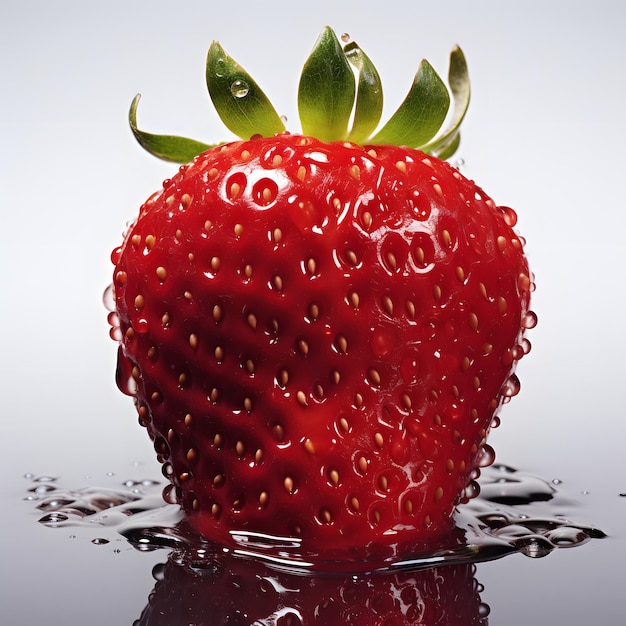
(262,580)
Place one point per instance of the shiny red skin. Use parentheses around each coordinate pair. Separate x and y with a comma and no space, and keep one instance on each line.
(391,290)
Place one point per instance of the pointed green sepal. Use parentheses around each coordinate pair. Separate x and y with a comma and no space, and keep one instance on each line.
(369,96)
(166,147)
(240,102)
(327,90)
(445,144)
(340,97)
(421,114)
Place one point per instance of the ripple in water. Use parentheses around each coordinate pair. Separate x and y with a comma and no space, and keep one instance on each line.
(262,581)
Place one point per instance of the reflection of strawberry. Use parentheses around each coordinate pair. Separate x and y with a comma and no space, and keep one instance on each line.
(319,334)
(229,590)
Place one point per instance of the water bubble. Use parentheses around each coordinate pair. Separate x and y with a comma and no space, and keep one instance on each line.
(239,88)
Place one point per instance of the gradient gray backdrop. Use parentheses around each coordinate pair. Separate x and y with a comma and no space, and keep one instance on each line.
(545,134)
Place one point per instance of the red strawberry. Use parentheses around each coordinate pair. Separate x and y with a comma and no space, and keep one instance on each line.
(228,590)
(319,334)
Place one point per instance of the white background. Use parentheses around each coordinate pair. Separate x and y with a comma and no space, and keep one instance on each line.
(545,134)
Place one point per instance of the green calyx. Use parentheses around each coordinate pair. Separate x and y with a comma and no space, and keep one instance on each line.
(340,98)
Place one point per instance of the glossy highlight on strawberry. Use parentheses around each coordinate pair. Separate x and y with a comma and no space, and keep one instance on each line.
(318,336)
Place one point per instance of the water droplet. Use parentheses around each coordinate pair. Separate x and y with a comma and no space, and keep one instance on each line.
(529,320)
(557,481)
(381,342)
(100,541)
(471,491)
(158,571)
(526,345)
(283,119)
(123,375)
(53,519)
(169,494)
(345,37)
(239,88)
(141,325)
(534,546)
(108,298)
(219,67)
(510,216)
(511,387)
(566,536)
(487,456)
(43,489)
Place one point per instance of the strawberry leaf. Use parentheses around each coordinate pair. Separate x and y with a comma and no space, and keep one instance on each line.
(446,144)
(166,147)
(369,96)
(421,114)
(327,89)
(240,102)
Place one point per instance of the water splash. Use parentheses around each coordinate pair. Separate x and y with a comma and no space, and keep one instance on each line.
(514,513)
(262,580)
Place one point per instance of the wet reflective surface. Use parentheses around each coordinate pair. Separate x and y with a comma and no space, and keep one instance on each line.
(123,533)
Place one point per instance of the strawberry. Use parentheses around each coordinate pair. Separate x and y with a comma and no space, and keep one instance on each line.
(318,330)
(222,589)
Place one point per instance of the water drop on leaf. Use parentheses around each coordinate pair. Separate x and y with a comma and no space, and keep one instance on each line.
(239,88)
